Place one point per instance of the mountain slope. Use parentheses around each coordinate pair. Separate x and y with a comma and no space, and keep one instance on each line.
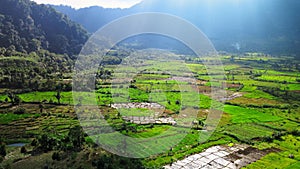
(92,18)
(26,26)
(269,26)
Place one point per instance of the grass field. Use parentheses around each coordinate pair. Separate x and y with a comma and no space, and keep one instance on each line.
(137,112)
(248,131)
(10,117)
(259,94)
(278,78)
(248,115)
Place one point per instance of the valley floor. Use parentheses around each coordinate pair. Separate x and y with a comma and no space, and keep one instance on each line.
(257,116)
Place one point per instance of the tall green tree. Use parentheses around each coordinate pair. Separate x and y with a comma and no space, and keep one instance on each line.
(58,97)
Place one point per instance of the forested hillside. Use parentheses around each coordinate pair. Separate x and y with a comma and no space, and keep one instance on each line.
(26,26)
(269,26)
(37,44)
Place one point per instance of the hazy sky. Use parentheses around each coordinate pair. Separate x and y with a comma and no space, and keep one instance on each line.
(86,3)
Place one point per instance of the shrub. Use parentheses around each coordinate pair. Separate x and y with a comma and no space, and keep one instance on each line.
(106,117)
(20,110)
(132,86)
(291,156)
(277,135)
(56,156)
(296,132)
(23,150)
(34,142)
(2,150)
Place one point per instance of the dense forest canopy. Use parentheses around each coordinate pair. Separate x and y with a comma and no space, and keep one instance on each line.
(26,26)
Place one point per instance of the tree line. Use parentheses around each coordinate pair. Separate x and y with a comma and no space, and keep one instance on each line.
(26,27)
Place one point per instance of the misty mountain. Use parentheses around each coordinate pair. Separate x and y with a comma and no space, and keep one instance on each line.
(269,26)
(26,27)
